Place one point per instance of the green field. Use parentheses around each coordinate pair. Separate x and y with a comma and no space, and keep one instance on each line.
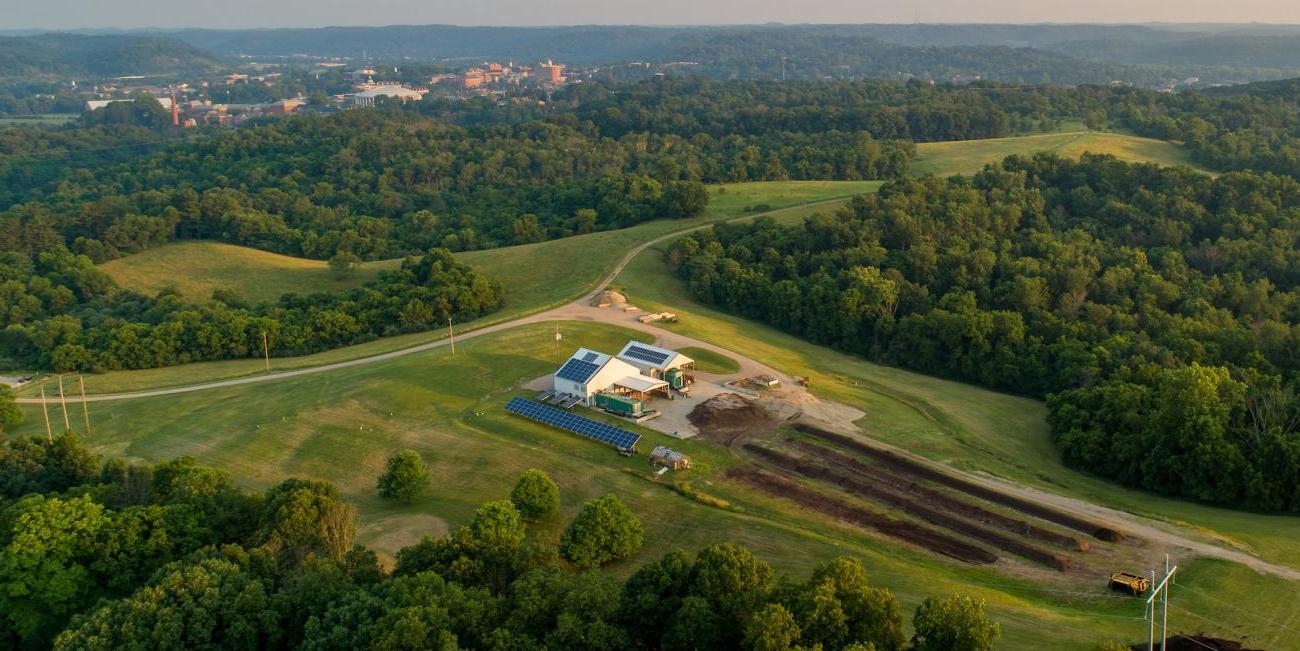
(341,426)
(535,277)
(966,427)
(709,361)
(968,156)
(40,119)
(196,269)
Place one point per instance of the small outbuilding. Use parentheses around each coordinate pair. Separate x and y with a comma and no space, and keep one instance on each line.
(667,458)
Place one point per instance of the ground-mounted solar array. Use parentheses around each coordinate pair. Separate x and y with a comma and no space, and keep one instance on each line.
(619,438)
(577,370)
(646,355)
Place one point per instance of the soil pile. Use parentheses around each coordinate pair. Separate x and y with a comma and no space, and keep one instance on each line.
(727,416)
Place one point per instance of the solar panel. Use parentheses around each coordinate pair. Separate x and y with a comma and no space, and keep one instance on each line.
(577,370)
(590,357)
(646,355)
(619,438)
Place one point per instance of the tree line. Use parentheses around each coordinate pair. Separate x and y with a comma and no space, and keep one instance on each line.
(58,311)
(109,555)
(1156,309)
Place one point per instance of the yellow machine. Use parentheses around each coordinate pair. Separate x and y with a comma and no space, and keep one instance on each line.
(1130,583)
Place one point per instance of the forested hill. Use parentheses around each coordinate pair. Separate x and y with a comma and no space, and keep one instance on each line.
(1066,54)
(77,55)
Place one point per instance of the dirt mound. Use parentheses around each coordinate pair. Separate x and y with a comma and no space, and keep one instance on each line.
(727,416)
(609,297)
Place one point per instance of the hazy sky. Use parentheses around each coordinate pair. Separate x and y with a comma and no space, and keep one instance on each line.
(64,14)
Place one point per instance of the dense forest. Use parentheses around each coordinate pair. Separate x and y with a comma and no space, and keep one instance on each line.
(457,175)
(114,555)
(1158,310)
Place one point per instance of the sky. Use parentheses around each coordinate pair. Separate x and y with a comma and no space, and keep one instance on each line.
(73,14)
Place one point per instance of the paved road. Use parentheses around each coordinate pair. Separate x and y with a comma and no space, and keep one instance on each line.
(581,309)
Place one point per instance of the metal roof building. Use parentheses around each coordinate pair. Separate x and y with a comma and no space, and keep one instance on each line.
(653,360)
(588,372)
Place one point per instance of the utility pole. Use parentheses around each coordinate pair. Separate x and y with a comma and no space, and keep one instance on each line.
(63,402)
(85,409)
(1160,590)
(49,433)
(782,68)
(266,352)
(451,334)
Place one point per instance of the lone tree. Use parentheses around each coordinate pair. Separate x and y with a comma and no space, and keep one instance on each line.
(406,477)
(957,623)
(604,530)
(535,494)
(11,415)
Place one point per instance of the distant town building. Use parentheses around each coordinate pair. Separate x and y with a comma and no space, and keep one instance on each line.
(369,96)
(101,103)
(552,73)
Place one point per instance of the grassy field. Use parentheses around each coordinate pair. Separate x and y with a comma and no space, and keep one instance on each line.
(535,277)
(709,361)
(196,269)
(967,427)
(341,426)
(968,156)
(40,119)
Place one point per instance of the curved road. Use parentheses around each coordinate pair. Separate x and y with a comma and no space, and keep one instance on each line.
(581,309)
(564,312)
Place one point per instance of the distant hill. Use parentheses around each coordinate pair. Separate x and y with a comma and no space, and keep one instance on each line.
(97,56)
(1067,54)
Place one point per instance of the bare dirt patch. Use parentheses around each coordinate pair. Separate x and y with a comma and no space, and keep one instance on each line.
(908,467)
(908,532)
(941,500)
(729,417)
(878,492)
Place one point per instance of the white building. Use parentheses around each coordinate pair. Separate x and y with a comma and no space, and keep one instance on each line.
(588,372)
(368,96)
(101,103)
(653,361)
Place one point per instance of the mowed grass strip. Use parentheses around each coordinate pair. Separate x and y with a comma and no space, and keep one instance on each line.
(196,269)
(342,426)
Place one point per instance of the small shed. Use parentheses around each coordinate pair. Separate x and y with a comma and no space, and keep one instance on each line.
(662,456)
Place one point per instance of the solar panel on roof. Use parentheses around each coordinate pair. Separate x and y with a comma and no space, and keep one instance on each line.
(577,370)
(619,438)
(646,355)
(590,357)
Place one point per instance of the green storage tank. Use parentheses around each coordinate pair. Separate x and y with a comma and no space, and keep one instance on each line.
(675,378)
(619,404)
